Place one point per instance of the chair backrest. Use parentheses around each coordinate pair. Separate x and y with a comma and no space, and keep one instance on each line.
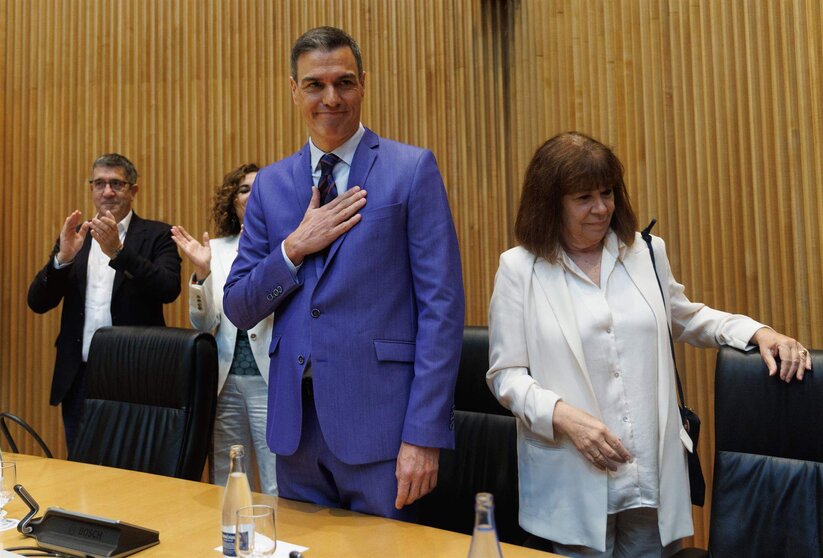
(150,400)
(472,393)
(485,456)
(768,468)
(4,428)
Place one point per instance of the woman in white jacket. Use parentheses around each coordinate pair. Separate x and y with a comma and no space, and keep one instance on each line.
(579,352)
(243,355)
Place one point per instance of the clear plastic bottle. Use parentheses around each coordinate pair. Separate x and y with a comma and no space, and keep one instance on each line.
(236,495)
(484,538)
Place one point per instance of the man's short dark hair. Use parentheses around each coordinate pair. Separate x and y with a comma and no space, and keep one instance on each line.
(325,39)
(117,161)
(568,163)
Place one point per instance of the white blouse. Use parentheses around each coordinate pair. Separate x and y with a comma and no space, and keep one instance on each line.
(619,335)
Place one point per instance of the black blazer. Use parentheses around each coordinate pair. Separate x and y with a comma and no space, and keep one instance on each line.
(147,276)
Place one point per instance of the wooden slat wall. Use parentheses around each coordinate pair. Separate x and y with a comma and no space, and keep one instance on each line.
(714,108)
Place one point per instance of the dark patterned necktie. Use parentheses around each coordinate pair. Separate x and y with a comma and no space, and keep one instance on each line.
(326,185)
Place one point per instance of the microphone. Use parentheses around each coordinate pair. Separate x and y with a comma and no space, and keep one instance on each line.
(71,532)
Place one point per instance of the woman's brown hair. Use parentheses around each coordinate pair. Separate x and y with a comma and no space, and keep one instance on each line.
(568,163)
(222,213)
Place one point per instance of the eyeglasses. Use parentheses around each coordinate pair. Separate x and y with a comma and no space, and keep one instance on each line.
(99,185)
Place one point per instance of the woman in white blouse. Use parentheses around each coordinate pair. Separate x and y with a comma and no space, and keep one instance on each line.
(243,367)
(580,354)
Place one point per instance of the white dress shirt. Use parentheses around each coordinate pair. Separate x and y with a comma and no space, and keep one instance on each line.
(99,285)
(340,172)
(619,334)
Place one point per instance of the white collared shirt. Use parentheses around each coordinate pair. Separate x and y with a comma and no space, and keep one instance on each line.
(99,285)
(619,334)
(341,171)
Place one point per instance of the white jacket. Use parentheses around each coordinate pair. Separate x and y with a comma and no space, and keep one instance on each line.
(536,357)
(206,312)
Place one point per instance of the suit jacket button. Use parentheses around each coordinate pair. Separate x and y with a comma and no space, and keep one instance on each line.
(300,359)
(315,313)
(269,296)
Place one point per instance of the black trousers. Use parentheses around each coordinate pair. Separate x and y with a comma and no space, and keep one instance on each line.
(72,407)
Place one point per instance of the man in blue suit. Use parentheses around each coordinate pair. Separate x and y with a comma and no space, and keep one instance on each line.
(367,296)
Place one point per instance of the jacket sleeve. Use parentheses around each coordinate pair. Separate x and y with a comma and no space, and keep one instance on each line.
(157,276)
(438,290)
(49,285)
(202,311)
(508,376)
(260,279)
(694,322)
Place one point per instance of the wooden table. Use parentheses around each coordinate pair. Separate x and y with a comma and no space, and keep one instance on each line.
(187,515)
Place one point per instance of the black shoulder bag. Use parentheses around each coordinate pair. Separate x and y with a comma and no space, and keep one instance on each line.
(691,422)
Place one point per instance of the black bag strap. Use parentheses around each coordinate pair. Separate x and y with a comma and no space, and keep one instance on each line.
(646,234)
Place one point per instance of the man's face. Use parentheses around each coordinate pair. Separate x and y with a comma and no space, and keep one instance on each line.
(329,93)
(107,198)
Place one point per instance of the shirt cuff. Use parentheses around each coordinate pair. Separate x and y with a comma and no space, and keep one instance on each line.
(58,265)
(292,268)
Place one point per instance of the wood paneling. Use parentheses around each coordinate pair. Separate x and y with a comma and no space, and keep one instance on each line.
(714,108)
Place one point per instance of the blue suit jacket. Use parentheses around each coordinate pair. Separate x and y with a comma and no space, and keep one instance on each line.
(381,318)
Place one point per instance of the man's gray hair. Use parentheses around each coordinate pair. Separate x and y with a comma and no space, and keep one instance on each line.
(325,39)
(117,161)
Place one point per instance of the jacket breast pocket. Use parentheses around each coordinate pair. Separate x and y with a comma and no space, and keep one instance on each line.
(392,211)
(394,351)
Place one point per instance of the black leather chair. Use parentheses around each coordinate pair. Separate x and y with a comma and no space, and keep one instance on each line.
(485,457)
(4,428)
(768,465)
(151,396)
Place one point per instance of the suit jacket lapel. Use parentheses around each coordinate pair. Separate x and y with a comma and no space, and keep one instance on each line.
(552,281)
(301,178)
(302,185)
(134,241)
(81,266)
(228,253)
(364,158)
(638,264)
(361,165)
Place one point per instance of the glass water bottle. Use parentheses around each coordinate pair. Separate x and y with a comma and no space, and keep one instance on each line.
(237,495)
(484,538)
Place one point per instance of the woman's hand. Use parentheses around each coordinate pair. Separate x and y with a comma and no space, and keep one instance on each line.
(590,436)
(199,254)
(794,359)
